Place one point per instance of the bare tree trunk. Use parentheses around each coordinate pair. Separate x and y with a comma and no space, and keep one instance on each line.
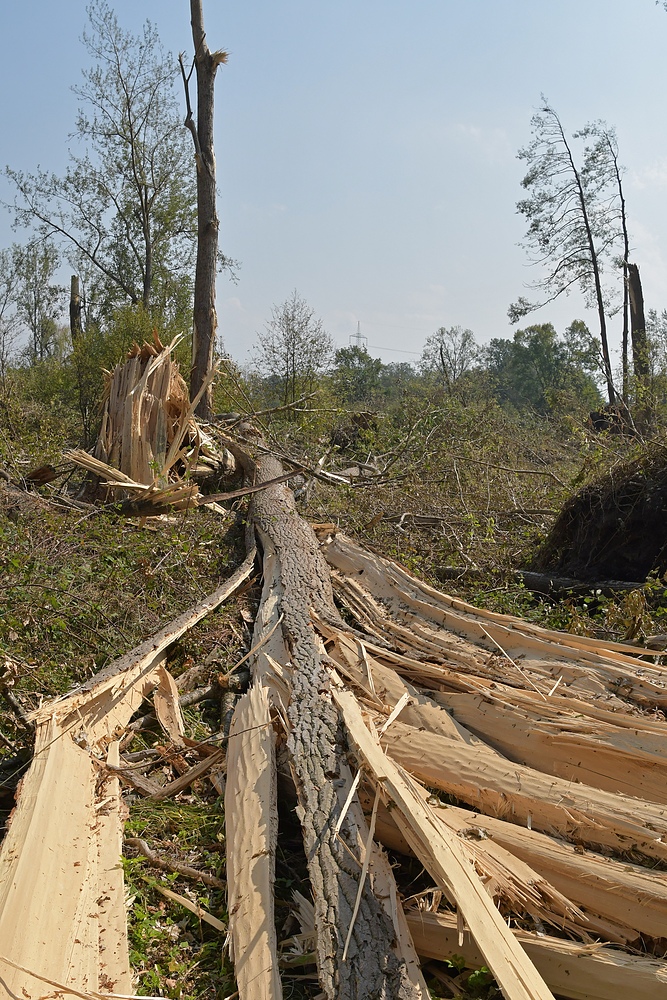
(624,339)
(75,327)
(205,319)
(595,264)
(300,578)
(638,326)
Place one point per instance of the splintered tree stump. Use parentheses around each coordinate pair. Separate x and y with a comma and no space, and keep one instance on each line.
(318,756)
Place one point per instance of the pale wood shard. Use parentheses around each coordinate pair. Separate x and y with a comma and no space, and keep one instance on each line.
(167,707)
(251,822)
(572,970)
(49,871)
(626,896)
(389,687)
(113,946)
(198,911)
(62,912)
(397,606)
(441,854)
(510,881)
(518,793)
(602,754)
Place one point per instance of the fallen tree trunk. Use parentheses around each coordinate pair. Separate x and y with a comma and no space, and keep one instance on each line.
(300,582)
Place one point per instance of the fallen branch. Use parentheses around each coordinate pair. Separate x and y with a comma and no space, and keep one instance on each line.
(173,866)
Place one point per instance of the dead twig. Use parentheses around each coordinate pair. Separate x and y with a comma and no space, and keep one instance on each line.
(173,866)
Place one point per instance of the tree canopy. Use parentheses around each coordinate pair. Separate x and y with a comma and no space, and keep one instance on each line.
(573,216)
(124,210)
(294,348)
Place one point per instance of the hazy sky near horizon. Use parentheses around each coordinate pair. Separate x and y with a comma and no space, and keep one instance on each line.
(366,150)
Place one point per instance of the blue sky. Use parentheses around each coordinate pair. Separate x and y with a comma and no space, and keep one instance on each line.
(367,150)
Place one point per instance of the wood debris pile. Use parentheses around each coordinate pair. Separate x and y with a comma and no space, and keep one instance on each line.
(525,768)
(150,447)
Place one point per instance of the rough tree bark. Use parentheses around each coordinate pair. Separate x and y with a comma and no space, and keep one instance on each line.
(75,327)
(318,753)
(205,320)
(638,325)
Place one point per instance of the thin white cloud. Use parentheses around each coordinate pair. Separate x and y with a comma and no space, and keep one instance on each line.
(653,175)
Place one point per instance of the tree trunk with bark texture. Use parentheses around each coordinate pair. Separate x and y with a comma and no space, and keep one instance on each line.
(318,757)
(75,327)
(205,319)
(638,325)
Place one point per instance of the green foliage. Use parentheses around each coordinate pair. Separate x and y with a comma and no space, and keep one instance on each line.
(572,213)
(356,375)
(293,352)
(125,209)
(449,355)
(538,369)
(38,301)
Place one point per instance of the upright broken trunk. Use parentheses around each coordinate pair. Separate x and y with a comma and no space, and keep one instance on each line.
(75,327)
(204,318)
(297,575)
(638,326)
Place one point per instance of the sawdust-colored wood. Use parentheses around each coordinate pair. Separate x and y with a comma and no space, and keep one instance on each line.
(251,823)
(574,971)
(528,797)
(442,855)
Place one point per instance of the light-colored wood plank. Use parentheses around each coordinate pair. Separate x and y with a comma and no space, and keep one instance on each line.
(442,855)
(251,822)
(528,797)
(578,972)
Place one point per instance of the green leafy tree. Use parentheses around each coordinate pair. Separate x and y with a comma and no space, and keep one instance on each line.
(573,215)
(356,375)
(294,349)
(541,371)
(124,211)
(10,326)
(448,355)
(38,301)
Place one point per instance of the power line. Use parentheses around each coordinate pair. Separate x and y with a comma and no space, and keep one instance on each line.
(395,350)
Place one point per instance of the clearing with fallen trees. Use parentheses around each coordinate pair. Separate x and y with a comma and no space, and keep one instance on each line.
(481,798)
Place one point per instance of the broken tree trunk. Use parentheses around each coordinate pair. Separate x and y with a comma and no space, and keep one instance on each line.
(640,359)
(62,908)
(300,582)
(205,319)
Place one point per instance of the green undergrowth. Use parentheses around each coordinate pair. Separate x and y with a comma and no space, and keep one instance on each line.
(78,589)
(173,952)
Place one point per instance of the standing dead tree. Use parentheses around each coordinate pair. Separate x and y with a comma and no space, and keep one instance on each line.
(204,313)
